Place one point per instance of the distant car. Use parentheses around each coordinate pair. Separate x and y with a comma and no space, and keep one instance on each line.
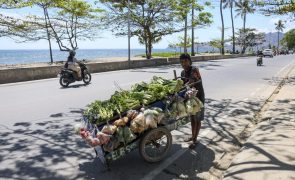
(267,52)
(291,51)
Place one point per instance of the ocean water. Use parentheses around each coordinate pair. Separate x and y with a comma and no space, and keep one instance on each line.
(32,56)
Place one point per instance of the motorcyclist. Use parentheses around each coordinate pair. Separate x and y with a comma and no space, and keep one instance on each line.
(260,56)
(72,64)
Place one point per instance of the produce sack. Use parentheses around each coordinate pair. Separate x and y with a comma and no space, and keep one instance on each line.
(93,142)
(191,93)
(138,124)
(121,122)
(103,138)
(112,144)
(178,109)
(151,117)
(125,135)
(78,127)
(150,121)
(131,114)
(109,129)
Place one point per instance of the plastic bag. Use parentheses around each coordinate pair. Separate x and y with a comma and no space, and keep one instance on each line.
(109,129)
(112,144)
(131,114)
(78,127)
(150,121)
(103,138)
(125,135)
(138,124)
(121,122)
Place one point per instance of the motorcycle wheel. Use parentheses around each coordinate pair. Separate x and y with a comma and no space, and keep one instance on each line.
(87,77)
(63,82)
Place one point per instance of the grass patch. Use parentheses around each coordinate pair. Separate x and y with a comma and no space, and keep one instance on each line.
(176,54)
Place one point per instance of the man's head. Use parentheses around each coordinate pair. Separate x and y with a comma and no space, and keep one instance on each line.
(185,61)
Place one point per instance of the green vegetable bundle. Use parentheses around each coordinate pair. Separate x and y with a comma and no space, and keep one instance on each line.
(140,94)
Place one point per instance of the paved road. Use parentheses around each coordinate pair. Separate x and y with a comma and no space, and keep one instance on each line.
(36,119)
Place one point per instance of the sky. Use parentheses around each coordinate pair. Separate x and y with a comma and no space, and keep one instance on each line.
(109,41)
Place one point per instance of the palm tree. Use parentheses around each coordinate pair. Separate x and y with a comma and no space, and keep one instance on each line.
(193,28)
(222,28)
(230,4)
(243,8)
(279,27)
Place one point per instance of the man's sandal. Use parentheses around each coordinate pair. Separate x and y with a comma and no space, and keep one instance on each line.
(193,145)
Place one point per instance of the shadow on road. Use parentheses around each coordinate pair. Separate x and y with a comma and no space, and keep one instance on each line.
(49,149)
(269,140)
(190,164)
(76,86)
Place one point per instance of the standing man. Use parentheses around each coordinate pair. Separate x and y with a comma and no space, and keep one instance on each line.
(191,74)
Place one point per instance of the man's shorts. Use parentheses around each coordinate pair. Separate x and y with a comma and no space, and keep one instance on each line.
(199,116)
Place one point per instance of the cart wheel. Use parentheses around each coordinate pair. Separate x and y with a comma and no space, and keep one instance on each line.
(155,144)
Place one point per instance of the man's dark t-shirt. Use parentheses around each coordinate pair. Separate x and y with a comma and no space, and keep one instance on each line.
(193,75)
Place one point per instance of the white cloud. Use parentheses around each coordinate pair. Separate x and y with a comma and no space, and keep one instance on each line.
(274,20)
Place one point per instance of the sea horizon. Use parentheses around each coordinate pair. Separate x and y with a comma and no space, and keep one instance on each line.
(24,56)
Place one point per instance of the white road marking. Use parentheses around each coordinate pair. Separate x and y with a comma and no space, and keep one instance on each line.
(165,164)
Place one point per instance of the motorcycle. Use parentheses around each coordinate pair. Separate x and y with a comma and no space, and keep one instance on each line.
(259,61)
(68,76)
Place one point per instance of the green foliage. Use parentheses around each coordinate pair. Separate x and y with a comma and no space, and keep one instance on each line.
(180,43)
(289,39)
(65,21)
(216,43)
(249,37)
(244,7)
(280,7)
(150,20)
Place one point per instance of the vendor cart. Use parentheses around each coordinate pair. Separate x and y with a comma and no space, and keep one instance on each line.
(153,144)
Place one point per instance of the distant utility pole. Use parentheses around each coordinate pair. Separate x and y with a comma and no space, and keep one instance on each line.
(129,34)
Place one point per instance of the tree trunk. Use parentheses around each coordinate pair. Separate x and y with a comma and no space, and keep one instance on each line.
(48,36)
(244,35)
(185,35)
(233,27)
(278,40)
(222,29)
(193,32)
(146,44)
(149,55)
(149,45)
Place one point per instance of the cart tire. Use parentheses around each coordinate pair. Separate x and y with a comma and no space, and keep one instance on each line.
(155,144)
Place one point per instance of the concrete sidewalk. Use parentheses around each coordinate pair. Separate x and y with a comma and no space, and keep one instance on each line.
(270,151)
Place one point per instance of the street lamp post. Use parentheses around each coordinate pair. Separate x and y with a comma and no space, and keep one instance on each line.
(129,34)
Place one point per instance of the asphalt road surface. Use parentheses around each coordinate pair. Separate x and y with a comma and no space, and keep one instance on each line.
(37,117)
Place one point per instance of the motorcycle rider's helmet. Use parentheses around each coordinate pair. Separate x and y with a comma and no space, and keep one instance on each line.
(72,53)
